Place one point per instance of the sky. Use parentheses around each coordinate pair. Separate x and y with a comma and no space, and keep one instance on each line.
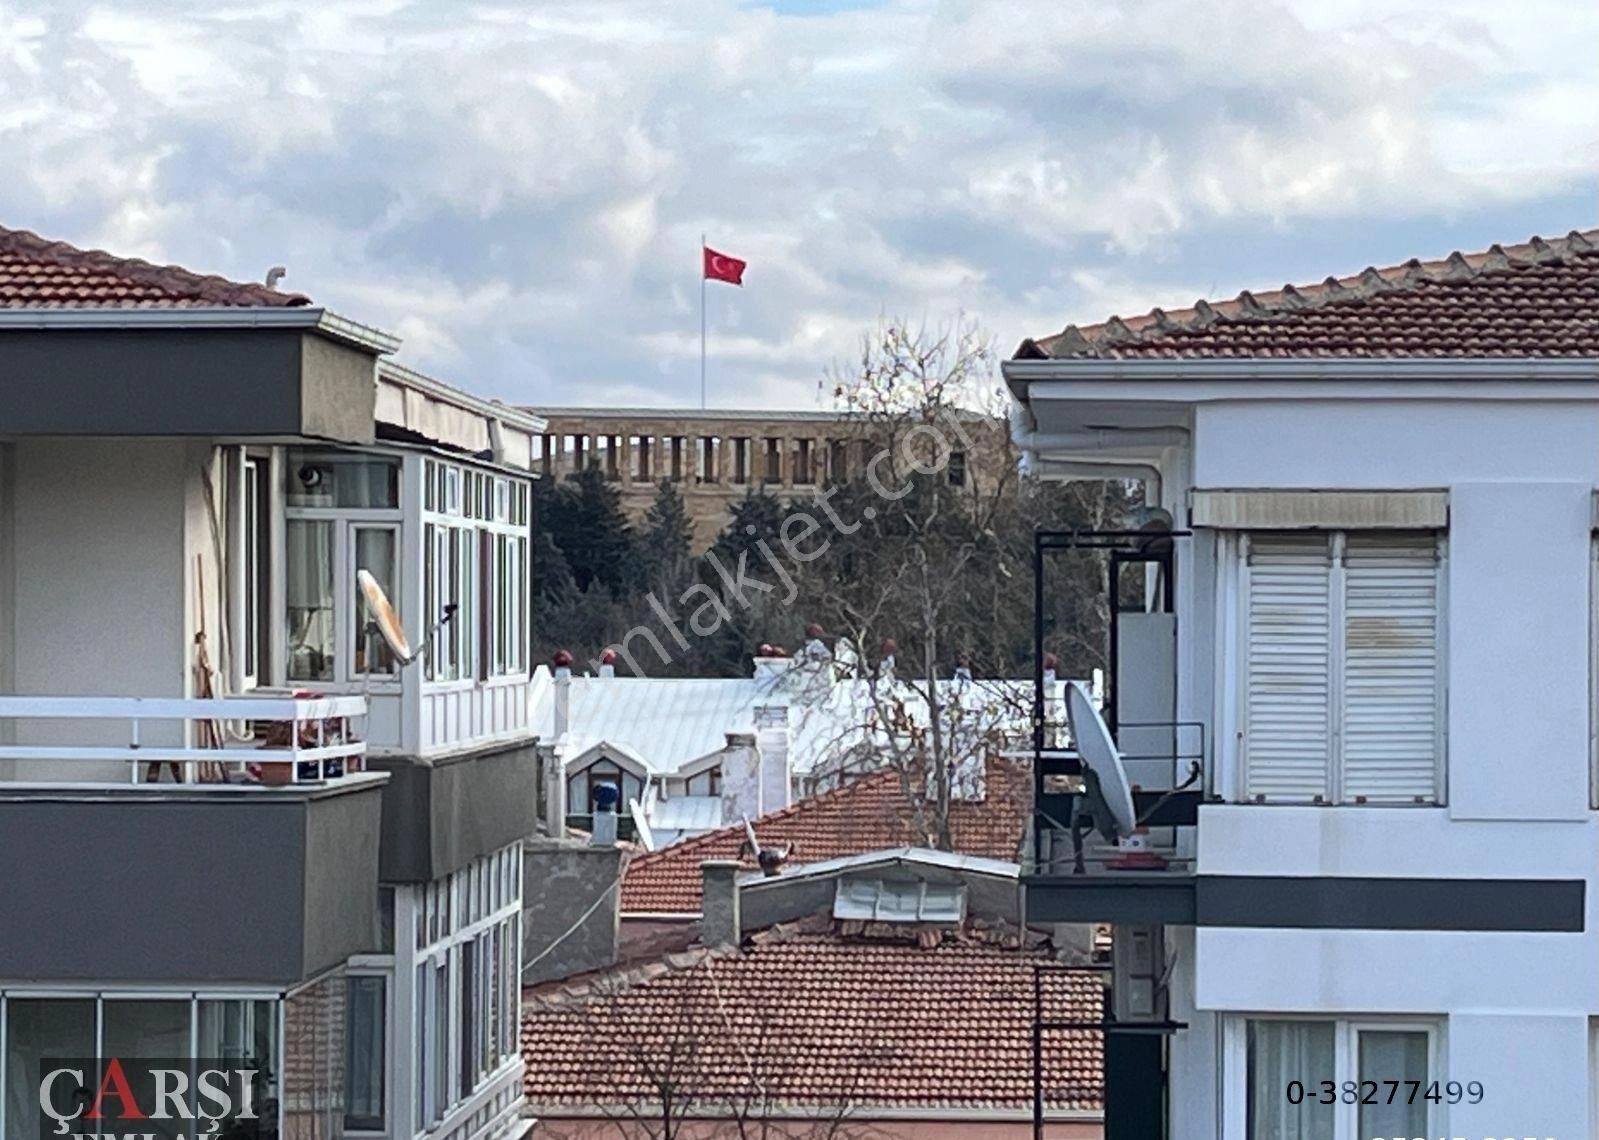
(519,191)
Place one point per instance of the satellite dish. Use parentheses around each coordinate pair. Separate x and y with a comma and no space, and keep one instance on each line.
(1100,759)
(384,619)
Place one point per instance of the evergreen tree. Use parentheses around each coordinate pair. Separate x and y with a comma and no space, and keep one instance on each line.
(667,543)
(584,518)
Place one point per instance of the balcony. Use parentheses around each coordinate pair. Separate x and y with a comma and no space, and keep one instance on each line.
(133,854)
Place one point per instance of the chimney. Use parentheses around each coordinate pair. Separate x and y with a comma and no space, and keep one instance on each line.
(741,778)
(563,692)
(771,742)
(771,662)
(554,777)
(608,663)
(885,667)
(719,915)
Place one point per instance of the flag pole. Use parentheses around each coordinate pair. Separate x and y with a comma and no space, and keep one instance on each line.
(702,322)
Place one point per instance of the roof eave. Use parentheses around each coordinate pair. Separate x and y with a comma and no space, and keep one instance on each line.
(1023,372)
(308,317)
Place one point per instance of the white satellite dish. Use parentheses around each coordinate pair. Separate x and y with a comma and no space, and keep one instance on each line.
(384,619)
(1098,753)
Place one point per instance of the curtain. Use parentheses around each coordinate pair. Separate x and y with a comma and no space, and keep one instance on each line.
(1394,1056)
(1281,1052)
(309,600)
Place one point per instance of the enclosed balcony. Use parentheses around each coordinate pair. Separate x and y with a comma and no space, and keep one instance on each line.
(222,840)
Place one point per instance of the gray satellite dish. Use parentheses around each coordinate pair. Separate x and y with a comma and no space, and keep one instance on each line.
(384,619)
(1108,795)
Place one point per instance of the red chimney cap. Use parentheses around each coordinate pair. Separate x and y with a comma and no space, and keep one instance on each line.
(608,656)
(778,651)
(890,645)
(815,631)
(562,659)
(1051,662)
(764,649)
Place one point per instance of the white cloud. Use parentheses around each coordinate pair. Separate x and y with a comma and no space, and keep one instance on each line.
(520,191)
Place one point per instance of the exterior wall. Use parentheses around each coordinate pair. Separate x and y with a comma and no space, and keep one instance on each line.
(105,532)
(1516,653)
(571,878)
(708,502)
(1017,1127)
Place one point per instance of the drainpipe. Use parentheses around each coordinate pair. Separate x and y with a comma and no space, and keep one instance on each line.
(1084,462)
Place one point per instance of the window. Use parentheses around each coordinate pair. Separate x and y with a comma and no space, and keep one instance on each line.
(1288,1062)
(838,461)
(887,900)
(675,445)
(366,1052)
(343,515)
(640,446)
(1340,668)
(376,551)
(803,452)
(613,457)
(774,460)
(255,523)
(955,471)
(709,445)
(310,600)
(741,459)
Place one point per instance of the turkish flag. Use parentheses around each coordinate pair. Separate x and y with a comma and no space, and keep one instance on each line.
(720,267)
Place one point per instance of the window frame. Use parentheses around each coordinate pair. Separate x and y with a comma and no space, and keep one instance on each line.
(1346,1053)
(386,977)
(1232,713)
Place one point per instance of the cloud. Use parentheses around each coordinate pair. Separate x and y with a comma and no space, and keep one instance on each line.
(519,190)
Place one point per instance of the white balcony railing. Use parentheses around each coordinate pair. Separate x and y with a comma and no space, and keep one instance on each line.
(259,740)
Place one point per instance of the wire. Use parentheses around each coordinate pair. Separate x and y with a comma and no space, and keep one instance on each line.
(571,930)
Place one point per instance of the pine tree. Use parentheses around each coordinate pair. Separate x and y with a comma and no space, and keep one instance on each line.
(584,518)
(667,543)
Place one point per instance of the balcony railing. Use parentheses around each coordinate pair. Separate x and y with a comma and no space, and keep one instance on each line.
(244,740)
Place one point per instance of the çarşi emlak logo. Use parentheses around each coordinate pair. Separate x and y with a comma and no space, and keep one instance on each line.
(139,1098)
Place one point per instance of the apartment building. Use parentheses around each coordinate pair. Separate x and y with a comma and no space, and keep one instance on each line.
(1368,619)
(237,829)
(716,458)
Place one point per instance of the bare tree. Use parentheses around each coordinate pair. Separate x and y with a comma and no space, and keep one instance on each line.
(677,1059)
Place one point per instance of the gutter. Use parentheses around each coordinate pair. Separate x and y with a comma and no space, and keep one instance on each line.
(313,319)
(1306,368)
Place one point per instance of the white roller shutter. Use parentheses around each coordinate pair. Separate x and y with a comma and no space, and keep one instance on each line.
(1287,732)
(1390,668)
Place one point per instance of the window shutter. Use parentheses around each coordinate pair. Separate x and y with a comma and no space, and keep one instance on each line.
(1390,670)
(1287,661)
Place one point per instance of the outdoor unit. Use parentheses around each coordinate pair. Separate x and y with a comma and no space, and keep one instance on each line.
(1138,973)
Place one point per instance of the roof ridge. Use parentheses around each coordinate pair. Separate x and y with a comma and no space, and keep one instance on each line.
(171,278)
(1249,306)
(798,807)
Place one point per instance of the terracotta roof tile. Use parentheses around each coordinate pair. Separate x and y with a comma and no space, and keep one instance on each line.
(36,273)
(820,1019)
(1538,299)
(873,813)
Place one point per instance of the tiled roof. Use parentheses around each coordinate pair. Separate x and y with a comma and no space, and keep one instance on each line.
(819,1019)
(1538,299)
(870,814)
(36,273)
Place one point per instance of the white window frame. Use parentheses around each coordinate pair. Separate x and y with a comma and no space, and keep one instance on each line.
(346,598)
(477,899)
(1232,713)
(360,969)
(1593,677)
(1347,1030)
(484,508)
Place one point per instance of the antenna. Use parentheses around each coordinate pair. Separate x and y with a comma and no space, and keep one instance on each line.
(1106,805)
(383,621)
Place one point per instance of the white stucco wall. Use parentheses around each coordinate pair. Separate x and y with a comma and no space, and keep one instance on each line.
(104,536)
(1515,1007)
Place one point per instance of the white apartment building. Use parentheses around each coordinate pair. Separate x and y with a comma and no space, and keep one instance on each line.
(1379,607)
(234,825)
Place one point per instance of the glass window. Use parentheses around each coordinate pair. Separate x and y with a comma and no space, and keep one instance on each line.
(147,1031)
(957,469)
(37,1029)
(257,573)
(243,1033)
(439,1059)
(1391,1059)
(366,1052)
(1281,1053)
(331,479)
(376,551)
(309,589)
